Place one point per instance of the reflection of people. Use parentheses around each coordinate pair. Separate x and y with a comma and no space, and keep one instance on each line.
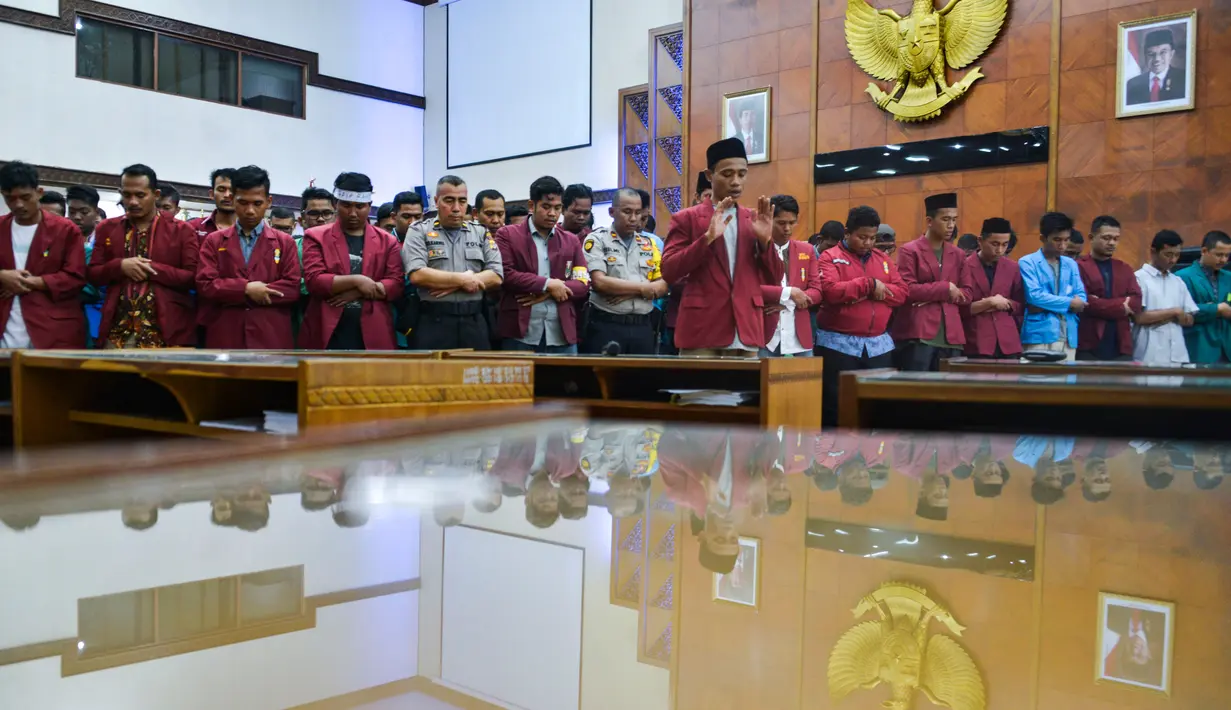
(1135,638)
(740,583)
(1160,81)
(1050,457)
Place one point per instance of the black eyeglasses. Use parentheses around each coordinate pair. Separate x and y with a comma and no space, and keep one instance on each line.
(320,214)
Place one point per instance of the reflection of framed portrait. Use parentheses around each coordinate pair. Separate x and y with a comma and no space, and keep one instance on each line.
(1156,65)
(746,115)
(1135,640)
(742,584)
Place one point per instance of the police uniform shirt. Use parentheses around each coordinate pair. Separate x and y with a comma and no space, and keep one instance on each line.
(467,248)
(637,261)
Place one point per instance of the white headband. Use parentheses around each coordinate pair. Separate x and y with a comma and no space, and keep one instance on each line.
(348,196)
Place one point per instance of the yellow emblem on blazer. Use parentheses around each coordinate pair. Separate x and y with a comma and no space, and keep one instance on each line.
(912,51)
(277,256)
(895,649)
(46,252)
(222,248)
(804,256)
(886,265)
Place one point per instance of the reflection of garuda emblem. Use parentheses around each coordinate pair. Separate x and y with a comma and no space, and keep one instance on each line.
(896,650)
(912,51)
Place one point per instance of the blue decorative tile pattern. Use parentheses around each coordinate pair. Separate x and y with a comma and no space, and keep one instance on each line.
(640,104)
(673,146)
(670,197)
(640,154)
(674,44)
(674,96)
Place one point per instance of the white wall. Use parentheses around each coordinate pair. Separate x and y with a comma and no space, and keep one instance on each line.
(68,557)
(621,59)
(90,125)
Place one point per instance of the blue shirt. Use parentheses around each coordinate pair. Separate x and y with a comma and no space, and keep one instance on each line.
(1042,292)
(247,242)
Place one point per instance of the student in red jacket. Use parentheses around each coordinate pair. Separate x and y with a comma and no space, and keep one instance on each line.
(928,327)
(788,324)
(1105,330)
(860,287)
(148,264)
(248,279)
(992,313)
(353,272)
(42,268)
(726,255)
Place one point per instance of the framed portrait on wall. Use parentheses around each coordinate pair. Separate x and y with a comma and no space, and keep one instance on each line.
(746,115)
(1156,65)
(742,584)
(1135,642)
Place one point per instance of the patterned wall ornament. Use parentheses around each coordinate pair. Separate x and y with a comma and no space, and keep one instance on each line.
(666,595)
(630,591)
(640,104)
(670,197)
(661,649)
(634,541)
(674,44)
(674,96)
(640,154)
(673,146)
(666,546)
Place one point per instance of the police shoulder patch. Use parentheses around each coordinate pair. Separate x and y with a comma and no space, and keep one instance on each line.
(589,245)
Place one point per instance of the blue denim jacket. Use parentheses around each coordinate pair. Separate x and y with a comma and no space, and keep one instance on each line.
(1040,285)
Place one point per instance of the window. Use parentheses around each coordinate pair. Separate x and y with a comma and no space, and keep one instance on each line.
(174,65)
(273,86)
(198,71)
(115,53)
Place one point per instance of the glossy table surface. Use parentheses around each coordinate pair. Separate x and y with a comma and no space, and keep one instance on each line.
(536,559)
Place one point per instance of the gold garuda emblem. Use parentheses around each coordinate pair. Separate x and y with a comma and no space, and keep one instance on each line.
(912,51)
(896,650)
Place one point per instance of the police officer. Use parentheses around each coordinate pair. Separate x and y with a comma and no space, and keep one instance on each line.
(625,280)
(453,262)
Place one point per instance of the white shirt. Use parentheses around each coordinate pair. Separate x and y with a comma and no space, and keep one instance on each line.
(1161,344)
(731,237)
(15,335)
(785,334)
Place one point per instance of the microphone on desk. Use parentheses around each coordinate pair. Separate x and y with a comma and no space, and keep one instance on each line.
(611,349)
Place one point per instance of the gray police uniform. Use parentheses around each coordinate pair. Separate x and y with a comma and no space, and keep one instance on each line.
(627,323)
(456,320)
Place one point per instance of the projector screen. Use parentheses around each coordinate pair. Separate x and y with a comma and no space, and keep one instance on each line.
(519,78)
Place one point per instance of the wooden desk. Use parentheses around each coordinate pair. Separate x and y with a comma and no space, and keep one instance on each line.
(1124,369)
(628,387)
(62,397)
(1145,406)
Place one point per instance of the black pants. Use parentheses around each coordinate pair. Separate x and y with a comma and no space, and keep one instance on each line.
(634,334)
(1090,356)
(919,357)
(441,329)
(835,364)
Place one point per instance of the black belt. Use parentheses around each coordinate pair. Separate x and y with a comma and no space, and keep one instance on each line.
(452,308)
(602,316)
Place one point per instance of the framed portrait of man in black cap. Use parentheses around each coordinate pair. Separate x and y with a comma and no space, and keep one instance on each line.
(1156,65)
(746,116)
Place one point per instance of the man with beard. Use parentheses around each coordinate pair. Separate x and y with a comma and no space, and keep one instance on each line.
(223,216)
(148,264)
(1105,330)
(42,268)
(83,211)
(1166,305)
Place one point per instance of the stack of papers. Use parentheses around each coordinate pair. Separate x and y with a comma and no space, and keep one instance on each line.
(239,424)
(711,398)
(285,423)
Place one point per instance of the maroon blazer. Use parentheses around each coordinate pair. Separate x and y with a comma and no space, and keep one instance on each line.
(174,251)
(325,255)
(521,276)
(53,318)
(715,307)
(1106,308)
(802,274)
(927,293)
(991,328)
(231,320)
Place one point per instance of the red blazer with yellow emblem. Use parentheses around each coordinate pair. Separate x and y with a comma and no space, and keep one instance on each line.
(801,273)
(927,293)
(567,262)
(231,320)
